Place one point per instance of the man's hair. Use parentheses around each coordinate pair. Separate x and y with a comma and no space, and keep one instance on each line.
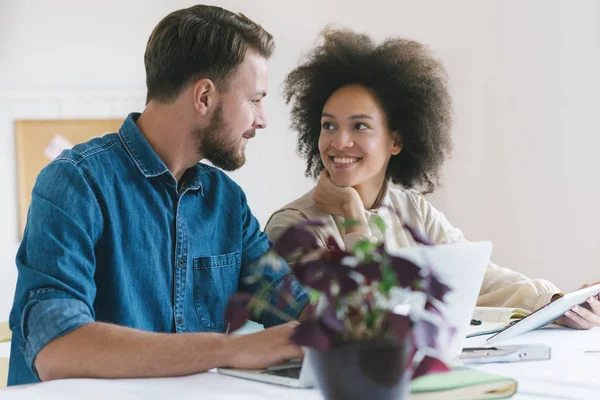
(199,42)
(408,81)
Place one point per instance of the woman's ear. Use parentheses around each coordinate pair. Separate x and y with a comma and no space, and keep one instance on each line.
(397,147)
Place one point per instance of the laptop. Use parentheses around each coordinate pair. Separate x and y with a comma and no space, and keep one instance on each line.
(461,266)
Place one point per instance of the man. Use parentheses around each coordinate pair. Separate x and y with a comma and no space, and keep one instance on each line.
(130,240)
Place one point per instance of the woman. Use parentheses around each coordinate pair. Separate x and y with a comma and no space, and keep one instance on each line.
(369,115)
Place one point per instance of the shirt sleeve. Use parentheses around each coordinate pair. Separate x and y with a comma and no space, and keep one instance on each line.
(56,261)
(277,276)
(501,287)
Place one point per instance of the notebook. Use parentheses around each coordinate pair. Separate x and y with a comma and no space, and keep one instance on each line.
(494,319)
(462,383)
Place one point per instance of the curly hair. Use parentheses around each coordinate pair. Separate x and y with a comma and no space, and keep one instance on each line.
(410,84)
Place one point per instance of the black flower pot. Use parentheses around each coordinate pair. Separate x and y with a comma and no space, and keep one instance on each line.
(362,370)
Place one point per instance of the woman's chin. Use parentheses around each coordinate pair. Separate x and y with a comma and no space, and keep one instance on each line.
(342,181)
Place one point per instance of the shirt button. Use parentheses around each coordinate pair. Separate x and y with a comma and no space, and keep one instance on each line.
(181,262)
(179,320)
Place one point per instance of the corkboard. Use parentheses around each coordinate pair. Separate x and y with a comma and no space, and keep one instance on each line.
(40,141)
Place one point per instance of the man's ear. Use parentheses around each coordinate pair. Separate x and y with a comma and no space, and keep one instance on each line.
(205,94)
(397,147)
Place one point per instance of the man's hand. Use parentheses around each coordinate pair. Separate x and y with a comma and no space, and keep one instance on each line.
(265,348)
(583,317)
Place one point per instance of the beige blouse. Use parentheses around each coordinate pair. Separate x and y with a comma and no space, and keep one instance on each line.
(501,287)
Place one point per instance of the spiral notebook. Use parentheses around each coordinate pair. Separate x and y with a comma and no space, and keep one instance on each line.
(494,319)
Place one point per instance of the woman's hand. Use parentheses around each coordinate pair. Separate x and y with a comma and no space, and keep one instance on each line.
(340,200)
(586,316)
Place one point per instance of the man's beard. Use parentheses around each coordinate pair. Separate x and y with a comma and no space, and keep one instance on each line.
(212,145)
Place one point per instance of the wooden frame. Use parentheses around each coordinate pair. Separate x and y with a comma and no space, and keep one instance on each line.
(39,141)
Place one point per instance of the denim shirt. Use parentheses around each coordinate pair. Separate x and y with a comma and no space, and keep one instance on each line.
(112,237)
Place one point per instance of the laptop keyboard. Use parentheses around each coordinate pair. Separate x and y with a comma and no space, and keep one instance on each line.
(291,372)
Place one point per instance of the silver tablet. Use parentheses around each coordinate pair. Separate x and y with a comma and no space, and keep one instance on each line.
(547,314)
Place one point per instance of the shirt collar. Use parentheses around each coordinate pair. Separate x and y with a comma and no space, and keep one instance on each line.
(146,159)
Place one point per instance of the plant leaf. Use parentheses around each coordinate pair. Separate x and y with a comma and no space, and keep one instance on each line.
(406,271)
(294,238)
(285,292)
(312,334)
(436,288)
(388,279)
(321,273)
(379,222)
(430,365)
(349,223)
(371,271)
(329,319)
(429,306)
(335,252)
(425,334)
(364,248)
(418,236)
(237,311)
(399,325)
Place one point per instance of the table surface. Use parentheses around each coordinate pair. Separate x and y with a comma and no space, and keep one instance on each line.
(572,373)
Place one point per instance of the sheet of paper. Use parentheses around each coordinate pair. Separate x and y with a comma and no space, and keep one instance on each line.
(56,146)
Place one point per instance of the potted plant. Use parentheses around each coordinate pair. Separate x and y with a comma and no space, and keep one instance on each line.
(373,322)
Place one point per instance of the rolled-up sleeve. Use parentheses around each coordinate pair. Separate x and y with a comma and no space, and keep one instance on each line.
(50,314)
(56,260)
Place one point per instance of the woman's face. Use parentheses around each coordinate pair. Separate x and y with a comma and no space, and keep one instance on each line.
(355,143)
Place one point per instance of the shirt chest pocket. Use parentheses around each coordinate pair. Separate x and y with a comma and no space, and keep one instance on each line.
(215,280)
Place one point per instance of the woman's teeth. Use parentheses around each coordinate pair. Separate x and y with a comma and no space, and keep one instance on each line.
(345,160)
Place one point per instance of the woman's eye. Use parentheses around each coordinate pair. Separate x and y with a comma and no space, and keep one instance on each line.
(360,126)
(327,125)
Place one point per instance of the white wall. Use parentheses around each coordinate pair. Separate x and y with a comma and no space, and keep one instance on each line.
(523,76)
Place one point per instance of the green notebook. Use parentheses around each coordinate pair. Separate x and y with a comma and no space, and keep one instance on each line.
(462,383)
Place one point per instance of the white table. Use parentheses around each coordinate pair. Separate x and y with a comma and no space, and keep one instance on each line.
(570,374)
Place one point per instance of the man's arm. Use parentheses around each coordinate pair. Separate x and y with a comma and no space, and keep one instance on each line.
(100,350)
(277,280)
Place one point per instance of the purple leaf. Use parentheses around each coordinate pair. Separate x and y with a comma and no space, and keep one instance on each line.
(436,288)
(335,252)
(347,284)
(285,293)
(399,324)
(308,311)
(312,334)
(430,365)
(237,311)
(329,319)
(433,309)
(295,238)
(411,354)
(371,271)
(320,274)
(406,271)
(418,236)
(309,273)
(425,334)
